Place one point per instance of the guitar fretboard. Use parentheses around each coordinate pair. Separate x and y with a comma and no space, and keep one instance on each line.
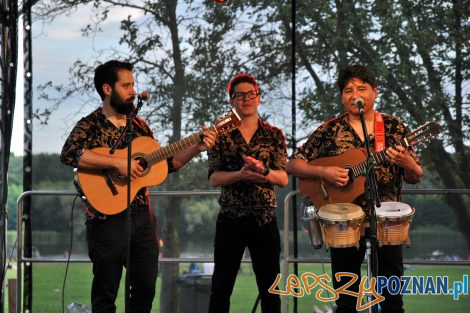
(172,149)
(379,158)
(423,133)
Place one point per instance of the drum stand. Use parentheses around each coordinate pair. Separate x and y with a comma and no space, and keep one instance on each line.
(369,294)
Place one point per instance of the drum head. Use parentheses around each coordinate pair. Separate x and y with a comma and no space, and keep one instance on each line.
(340,212)
(393,209)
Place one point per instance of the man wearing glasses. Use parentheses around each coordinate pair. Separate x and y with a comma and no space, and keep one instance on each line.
(246,163)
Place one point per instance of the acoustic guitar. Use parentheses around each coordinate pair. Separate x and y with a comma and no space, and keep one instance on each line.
(106,189)
(321,192)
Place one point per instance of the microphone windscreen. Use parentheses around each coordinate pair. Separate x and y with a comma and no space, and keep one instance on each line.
(144,96)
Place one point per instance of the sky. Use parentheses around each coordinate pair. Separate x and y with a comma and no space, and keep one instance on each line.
(56,46)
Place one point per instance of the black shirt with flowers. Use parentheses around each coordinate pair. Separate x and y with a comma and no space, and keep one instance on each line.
(337,136)
(94,131)
(247,198)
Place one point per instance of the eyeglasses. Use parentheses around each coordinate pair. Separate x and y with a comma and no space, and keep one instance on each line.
(241,95)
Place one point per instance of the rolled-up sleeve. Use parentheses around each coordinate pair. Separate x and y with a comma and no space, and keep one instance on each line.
(307,151)
(77,141)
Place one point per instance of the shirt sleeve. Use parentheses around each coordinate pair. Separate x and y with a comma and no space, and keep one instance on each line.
(215,157)
(280,160)
(310,150)
(77,141)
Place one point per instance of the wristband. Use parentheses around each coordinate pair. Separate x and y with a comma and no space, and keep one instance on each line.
(266,171)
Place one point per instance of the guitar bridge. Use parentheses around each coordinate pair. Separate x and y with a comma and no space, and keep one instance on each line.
(109,182)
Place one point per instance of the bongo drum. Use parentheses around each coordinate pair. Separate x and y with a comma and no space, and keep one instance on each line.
(341,224)
(393,223)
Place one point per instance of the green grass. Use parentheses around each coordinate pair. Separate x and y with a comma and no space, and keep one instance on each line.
(48,280)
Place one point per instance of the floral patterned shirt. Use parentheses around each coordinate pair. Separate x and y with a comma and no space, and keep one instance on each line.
(246,198)
(94,131)
(336,136)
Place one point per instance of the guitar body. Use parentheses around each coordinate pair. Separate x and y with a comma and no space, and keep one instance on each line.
(97,189)
(321,192)
(312,187)
(106,190)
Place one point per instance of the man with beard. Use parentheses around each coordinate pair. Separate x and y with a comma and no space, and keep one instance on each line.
(107,236)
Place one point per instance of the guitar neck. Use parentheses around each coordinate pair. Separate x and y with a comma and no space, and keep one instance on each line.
(378,157)
(170,150)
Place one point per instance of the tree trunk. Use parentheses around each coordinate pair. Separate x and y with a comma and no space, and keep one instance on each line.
(169,295)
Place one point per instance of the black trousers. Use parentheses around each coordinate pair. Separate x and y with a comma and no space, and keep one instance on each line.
(263,242)
(390,263)
(107,248)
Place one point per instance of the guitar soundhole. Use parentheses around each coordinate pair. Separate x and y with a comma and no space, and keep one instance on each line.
(143,162)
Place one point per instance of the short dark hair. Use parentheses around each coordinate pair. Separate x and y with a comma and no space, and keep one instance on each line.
(238,79)
(355,71)
(107,74)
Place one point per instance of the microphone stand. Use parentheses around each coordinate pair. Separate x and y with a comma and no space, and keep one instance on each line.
(128,131)
(371,196)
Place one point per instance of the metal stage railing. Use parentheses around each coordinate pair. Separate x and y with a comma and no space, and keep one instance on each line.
(286,257)
(19,251)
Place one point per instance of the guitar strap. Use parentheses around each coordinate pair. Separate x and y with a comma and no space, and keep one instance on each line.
(379,130)
(139,123)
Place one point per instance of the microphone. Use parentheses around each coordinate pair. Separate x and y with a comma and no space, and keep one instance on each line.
(359,103)
(143,96)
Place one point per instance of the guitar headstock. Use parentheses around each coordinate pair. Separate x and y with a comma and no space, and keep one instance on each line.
(423,133)
(227,123)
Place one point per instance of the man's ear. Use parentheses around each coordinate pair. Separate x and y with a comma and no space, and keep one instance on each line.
(230,101)
(376,92)
(107,89)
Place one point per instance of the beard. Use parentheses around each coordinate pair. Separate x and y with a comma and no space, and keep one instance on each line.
(121,107)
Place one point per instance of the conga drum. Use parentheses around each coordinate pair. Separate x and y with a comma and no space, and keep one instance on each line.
(393,223)
(341,224)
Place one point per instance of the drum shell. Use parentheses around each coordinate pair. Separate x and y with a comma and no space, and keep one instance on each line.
(341,224)
(393,230)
